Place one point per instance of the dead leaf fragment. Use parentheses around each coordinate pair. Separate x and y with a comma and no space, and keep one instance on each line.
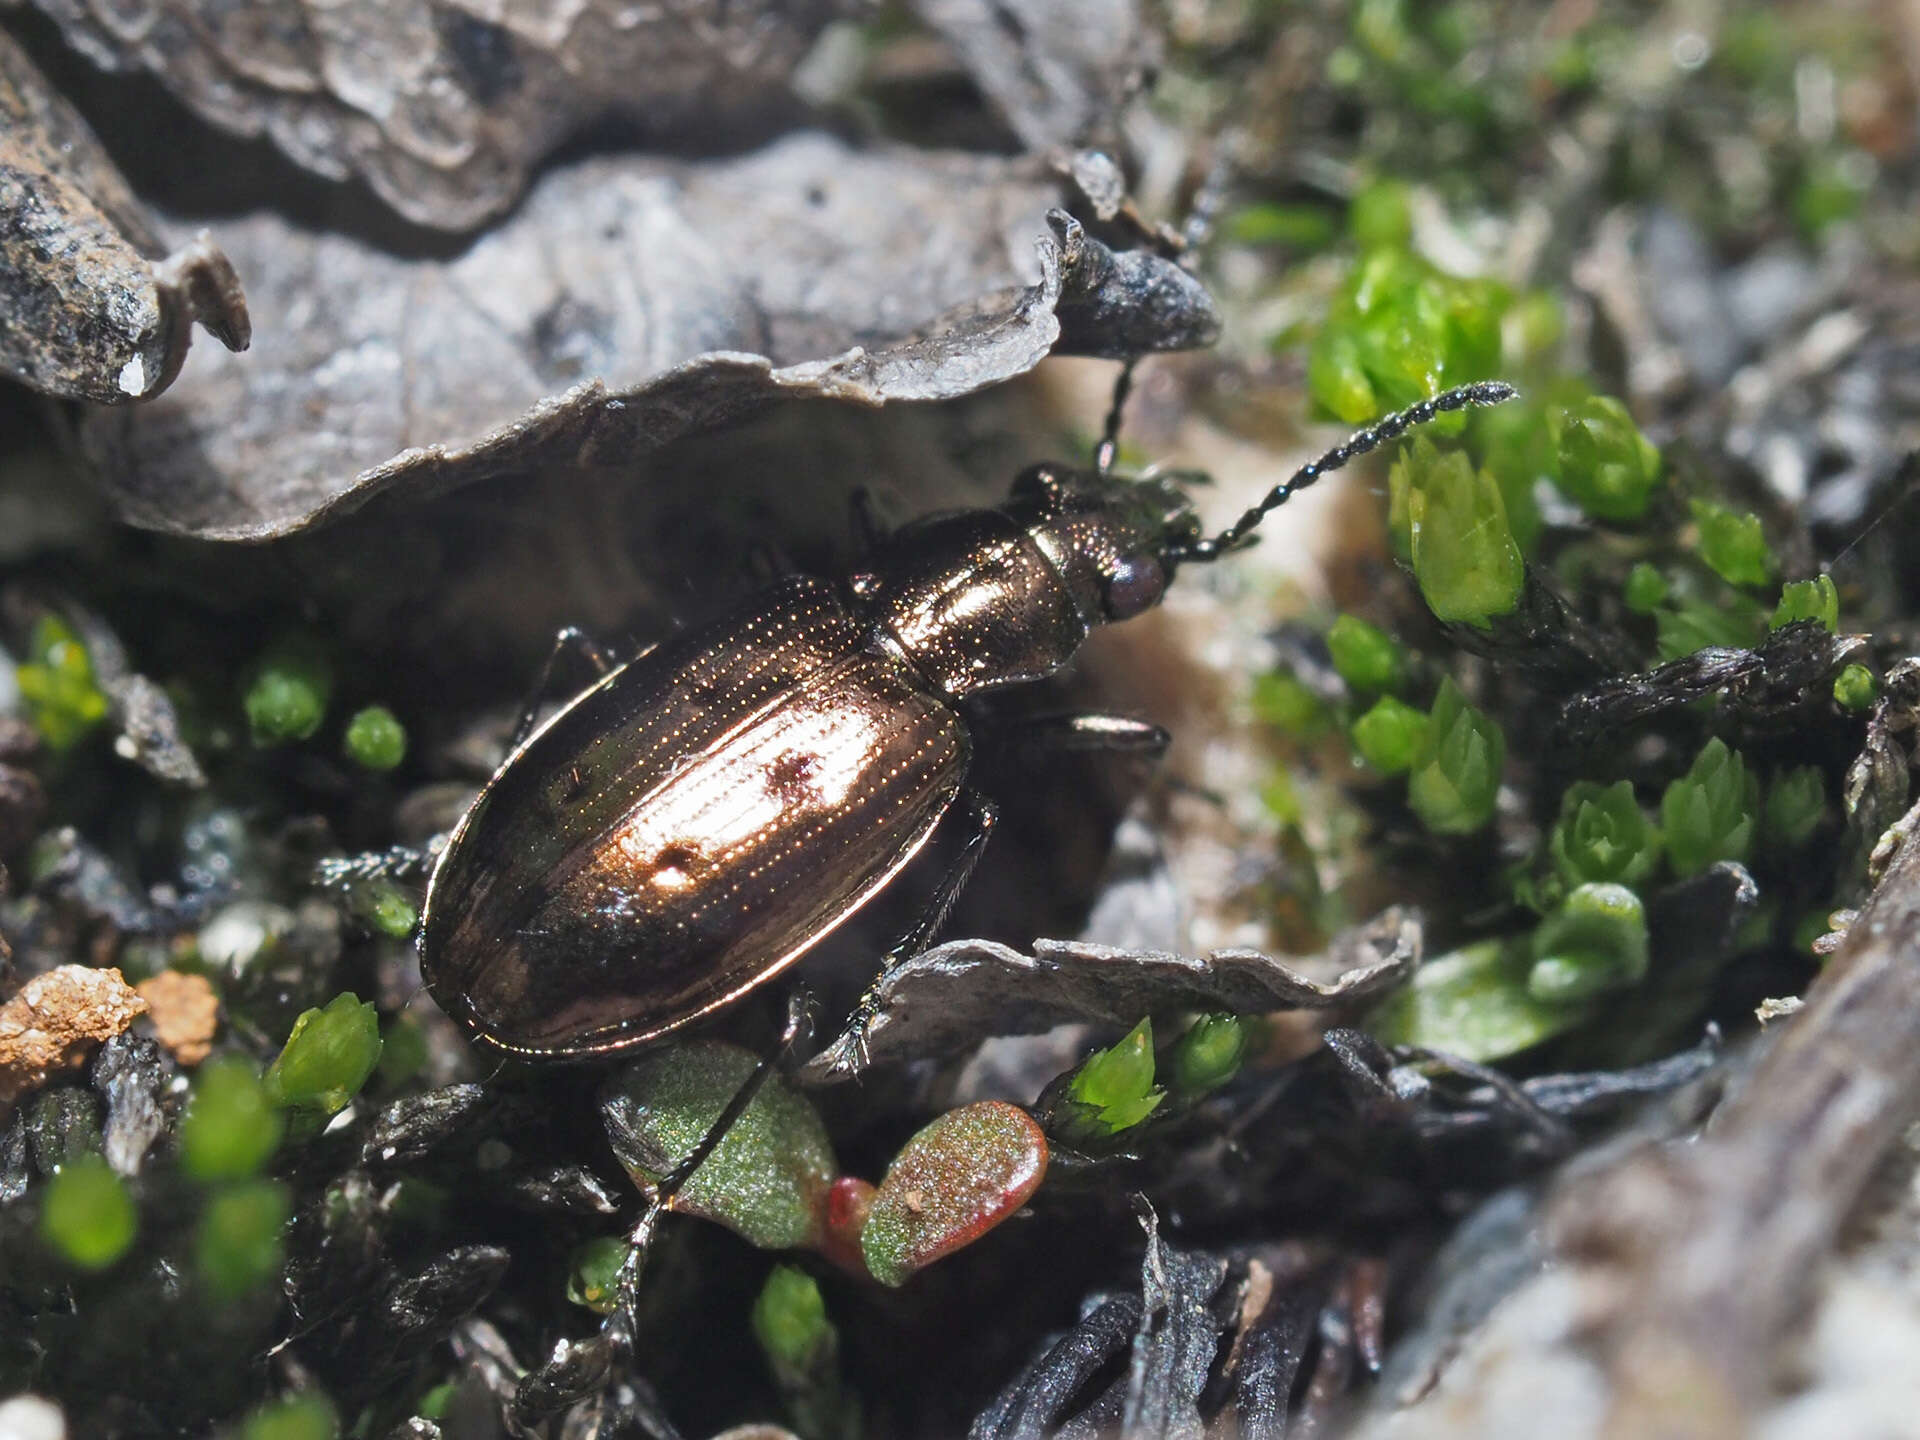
(1058,70)
(55,1022)
(185,1013)
(630,301)
(85,313)
(958,994)
(443,106)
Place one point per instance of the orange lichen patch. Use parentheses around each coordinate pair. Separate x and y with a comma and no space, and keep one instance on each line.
(185,1012)
(57,1019)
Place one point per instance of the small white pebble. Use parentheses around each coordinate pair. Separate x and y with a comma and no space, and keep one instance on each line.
(28,1417)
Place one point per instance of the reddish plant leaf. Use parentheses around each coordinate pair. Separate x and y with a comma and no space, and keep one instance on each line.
(954,1181)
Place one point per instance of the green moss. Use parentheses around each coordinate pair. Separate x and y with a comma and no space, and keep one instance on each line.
(1455,780)
(239,1246)
(1390,735)
(231,1127)
(1365,656)
(1601,460)
(1208,1055)
(63,699)
(375,739)
(1732,544)
(327,1058)
(1814,599)
(1465,558)
(1711,813)
(1855,688)
(286,696)
(87,1217)
(1116,1084)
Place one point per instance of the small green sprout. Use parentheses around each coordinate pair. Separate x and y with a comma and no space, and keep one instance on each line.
(1208,1055)
(383,907)
(231,1127)
(1732,544)
(286,699)
(1603,836)
(1465,558)
(1474,1003)
(327,1058)
(375,739)
(1365,656)
(790,1322)
(238,1246)
(1389,736)
(593,1273)
(1381,215)
(1601,460)
(1710,813)
(64,700)
(1694,624)
(1337,379)
(86,1217)
(1116,1084)
(1796,803)
(1814,599)
(1456,777)
(1399,331)
(1855,688)
(1597,941)
(1289,706)
(1646,589)
(1294,227)
(306,1416)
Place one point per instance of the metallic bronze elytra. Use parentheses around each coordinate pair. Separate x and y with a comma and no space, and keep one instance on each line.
(697,821)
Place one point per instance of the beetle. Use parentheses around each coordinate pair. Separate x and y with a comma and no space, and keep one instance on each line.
(693,824)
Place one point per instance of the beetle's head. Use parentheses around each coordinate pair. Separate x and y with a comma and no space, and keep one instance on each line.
(1115,540)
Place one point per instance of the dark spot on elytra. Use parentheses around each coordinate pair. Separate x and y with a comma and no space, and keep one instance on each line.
(489,64)
(791,778)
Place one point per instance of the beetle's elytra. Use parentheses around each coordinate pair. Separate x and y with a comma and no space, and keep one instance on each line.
(703,816)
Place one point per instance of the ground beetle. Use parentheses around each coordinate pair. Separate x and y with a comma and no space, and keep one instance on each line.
(702,817)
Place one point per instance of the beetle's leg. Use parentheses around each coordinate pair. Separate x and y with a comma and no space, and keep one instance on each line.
(1054,733)
(569,641)
(847,1055)
(798,1026)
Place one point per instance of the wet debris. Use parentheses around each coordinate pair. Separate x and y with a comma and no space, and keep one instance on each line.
(630,301)
(55,1022)
(1765,688)
(130,1076)
(23,799)
(92,305)
(955,995)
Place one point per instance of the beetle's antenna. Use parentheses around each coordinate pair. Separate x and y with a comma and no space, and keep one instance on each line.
(1103,457)
(1483,392)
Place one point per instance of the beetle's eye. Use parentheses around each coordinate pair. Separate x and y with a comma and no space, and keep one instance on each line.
(1137,583)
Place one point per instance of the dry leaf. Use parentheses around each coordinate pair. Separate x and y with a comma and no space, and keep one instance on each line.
(671,297)
(86,313)
(443,106)
(958,994)
(1058,70)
